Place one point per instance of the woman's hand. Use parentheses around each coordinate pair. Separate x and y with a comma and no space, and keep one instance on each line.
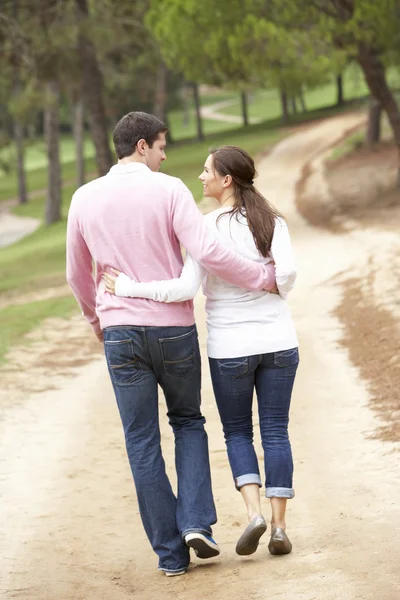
(109,280)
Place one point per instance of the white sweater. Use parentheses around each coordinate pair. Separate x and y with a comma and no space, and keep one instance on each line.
(240,322)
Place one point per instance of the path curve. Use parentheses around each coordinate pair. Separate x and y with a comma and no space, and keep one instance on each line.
(70,527)
(13,228)
(211,111)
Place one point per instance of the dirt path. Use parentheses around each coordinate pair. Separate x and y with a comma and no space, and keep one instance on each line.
(70,528)
(13,228)
(211,111)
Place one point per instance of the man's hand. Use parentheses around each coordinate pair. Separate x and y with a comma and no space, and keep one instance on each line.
(274,290)
(100,337)
(109,280)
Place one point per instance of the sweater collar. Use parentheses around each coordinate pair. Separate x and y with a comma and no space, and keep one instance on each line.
(132,167)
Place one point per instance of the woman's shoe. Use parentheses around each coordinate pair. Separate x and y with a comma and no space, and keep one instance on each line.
(279,542)
(248,541)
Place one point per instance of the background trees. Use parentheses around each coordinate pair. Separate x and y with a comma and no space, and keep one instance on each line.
(77,65)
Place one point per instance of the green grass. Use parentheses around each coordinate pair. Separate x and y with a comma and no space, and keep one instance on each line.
(19,320)
(37,178)
(36,262)
(36,156)
(181,132)
(265,104)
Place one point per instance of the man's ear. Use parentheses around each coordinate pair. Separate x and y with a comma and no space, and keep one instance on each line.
(141,147)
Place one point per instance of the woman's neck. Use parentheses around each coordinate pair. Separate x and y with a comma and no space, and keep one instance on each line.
(227,199)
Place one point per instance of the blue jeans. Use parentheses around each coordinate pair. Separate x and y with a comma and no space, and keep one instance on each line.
(138,359)
(272,376)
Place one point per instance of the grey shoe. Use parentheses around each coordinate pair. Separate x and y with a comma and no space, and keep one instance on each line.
(279,542)
(248,541)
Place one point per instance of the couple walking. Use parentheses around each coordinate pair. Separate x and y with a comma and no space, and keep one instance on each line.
(130,225)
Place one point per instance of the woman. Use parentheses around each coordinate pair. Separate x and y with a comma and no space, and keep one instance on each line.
(252,343)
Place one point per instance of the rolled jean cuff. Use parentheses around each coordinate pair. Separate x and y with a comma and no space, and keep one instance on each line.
(279,492)
(247,479)
(206,532)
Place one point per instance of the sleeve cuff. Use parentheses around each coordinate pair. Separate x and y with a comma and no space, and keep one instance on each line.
(96,327)
(123,286)
(270,270)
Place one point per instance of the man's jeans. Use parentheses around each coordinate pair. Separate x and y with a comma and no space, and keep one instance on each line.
(272,375)
(138,359)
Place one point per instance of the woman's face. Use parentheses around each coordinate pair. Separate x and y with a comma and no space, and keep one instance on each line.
(213,182)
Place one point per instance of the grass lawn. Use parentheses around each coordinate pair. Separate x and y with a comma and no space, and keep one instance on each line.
(181,132)
(37,178)
(17,321)
(265,104)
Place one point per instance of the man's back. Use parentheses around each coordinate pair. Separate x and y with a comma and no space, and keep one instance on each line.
(125,220)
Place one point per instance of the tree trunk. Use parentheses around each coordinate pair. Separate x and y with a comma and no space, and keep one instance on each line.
(374,73)
(200,134)
(186,106)
(243,97)
(93,96)
(373,134)
(78,132)
(161,96)
(19,146)
(285,108)
(294,105)
(52,133)
(18,130)
(339,87)
(302,101)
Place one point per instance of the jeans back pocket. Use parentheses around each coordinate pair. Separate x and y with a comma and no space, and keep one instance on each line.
(286,358)
(180,354)
(233,367)
(124,367)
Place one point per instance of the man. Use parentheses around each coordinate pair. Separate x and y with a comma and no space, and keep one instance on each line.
(134,219)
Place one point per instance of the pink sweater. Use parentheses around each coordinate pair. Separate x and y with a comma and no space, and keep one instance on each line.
(135,220)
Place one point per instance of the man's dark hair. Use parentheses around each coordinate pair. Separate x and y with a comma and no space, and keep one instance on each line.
(133,127)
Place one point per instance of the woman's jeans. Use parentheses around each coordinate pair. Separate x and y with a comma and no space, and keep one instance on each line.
(272,375)
(139,359)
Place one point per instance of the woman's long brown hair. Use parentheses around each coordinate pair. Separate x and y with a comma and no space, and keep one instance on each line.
(260,214)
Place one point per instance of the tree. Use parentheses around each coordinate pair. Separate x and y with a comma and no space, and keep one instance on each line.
(52,135)
(339,86)
(181,29)
(249,47)
(13,64)
(373,132)
(78,132)
(363,30)
(93,92)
